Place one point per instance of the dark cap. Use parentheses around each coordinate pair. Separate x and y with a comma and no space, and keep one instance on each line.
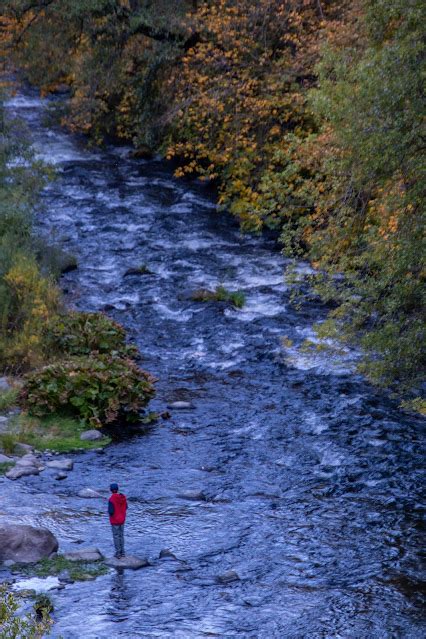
(113,486)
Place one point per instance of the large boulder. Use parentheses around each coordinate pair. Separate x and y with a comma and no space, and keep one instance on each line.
(26,544)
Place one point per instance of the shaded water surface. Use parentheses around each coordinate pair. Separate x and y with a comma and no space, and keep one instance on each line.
(310,478)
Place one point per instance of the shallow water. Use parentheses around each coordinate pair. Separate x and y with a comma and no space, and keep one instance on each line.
(311,478)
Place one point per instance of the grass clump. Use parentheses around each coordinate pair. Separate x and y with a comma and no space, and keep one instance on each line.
(54,432)
(8,399)
(220,294)
(5,466)
(78,570)
(8,442)
(57,433)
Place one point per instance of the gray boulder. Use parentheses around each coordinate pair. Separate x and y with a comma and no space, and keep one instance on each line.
(61,464)
(26,544)
(4,459)
(29,460)
(85,554)
(129,561)
(21,471)
(91,435)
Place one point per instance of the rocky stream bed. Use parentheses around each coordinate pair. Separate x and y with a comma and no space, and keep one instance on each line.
(283,500)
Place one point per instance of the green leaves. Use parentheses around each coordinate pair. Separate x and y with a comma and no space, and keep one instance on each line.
(98,391)
(79,334)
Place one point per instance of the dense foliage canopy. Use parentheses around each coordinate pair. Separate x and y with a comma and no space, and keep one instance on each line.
(307,114)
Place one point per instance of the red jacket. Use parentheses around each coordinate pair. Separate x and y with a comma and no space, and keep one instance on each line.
(117,506)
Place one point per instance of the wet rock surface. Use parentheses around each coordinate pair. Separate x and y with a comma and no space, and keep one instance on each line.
(84,554)
(61,464)
(314,476)
(129,561)
(26,544)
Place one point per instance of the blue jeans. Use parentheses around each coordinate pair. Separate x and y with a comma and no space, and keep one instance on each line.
(118,537)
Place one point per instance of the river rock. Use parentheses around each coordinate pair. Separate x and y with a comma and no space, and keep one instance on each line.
(193,495)
(65,577)
(26,544)
(85,554)
(4,384)
(3,419)
(167,554)
(23,449)
(91,435)
(61,464)
(180,405)
(21,471)
(61,475)
(88,493)
(129,561)
(28,460)
(228,577)
(4,459)
(9,563)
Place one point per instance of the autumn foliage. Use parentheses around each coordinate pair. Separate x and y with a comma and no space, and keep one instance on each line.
(306,114)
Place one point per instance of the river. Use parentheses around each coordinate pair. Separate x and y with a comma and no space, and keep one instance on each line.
(310,477)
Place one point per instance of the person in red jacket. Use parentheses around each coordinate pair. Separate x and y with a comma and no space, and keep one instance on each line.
(117,508)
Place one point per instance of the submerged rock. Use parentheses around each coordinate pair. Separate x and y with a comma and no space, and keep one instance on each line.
(193,495)
(228,577)
(129,561)
(88,493)
(167,554)
(180,405)
(65,577)
(85,554)
(61,464)
(61,475)
(26,544)
(92,435)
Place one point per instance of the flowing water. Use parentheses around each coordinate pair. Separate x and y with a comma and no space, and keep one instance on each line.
(310,478)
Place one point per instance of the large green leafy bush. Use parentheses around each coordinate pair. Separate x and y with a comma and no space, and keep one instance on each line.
(79,334)
(98,391)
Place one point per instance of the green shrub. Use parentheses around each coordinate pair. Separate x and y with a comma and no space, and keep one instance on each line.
(220,294)
(8,442)
(13,624)
(7,399)
(5,466)
(79,334)
(98,391)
